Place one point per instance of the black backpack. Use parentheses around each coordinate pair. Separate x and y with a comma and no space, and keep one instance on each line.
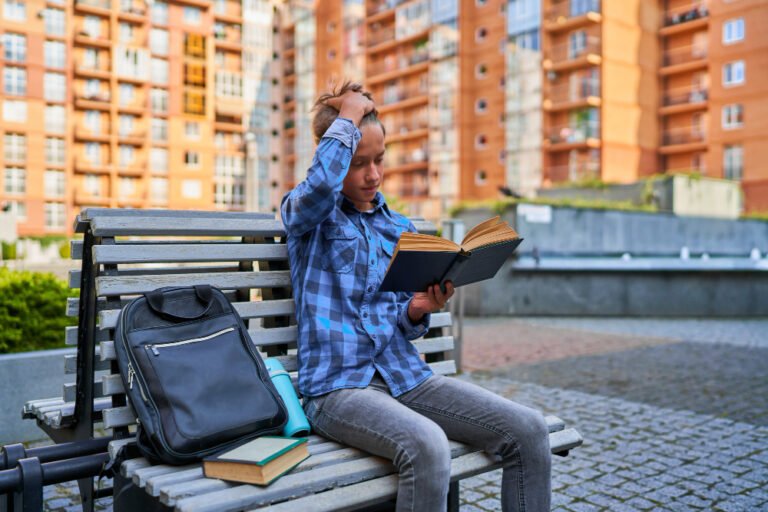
(192,374)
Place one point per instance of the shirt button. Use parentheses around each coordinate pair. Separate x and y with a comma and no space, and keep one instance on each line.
(369,237)
(370,288)
(373,261)
(365,315)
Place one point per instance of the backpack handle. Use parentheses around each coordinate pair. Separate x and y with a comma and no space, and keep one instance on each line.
(156,301)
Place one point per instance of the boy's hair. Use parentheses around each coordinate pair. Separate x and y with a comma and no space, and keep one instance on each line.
(325,114)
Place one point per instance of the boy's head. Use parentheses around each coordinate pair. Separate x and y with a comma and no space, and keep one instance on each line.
(366,169)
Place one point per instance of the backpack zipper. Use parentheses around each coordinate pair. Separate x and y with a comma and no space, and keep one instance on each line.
(131,376)
(155,346)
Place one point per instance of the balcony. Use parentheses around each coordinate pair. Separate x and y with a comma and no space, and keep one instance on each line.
(95,101)
(579,93)
(684,58)
(567,56)
(89,135)
(683,139)
(395,99)
(228,124)
(84,164)
(229,12)
(686,14)
(132,13)
(83,37)
(573,172)
(684,99)
(586,134)
(571,14)
(131,168)
(134,138)
(90,70)
(101,7)
(90,198)
(380,35)
(229,39)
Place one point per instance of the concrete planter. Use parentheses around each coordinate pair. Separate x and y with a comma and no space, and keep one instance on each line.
(28,376)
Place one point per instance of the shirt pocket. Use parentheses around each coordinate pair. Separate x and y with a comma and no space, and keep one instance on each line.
(340,248)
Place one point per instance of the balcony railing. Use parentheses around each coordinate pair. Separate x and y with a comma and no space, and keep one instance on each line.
(574,172)
(572,9)
(102,97)
(418,122)
(576,91)
(380,35)
(568,51)
(684,55)
(101,4)
(382,5)
(392,96)
(686,135)
(685,95)
(574,134)
(403,61)
(690,12)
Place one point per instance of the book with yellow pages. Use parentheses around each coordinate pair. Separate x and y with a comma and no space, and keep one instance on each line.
(258,461)
(423,260)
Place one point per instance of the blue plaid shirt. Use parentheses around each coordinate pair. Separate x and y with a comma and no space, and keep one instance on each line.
(338,255)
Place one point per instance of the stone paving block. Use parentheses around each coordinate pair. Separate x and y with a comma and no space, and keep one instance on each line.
(471,496)
(641,503)
(581,506)
(490,504)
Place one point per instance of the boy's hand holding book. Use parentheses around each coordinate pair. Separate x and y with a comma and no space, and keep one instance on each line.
(428,302)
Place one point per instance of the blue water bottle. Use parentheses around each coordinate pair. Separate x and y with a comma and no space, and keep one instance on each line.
(297,424)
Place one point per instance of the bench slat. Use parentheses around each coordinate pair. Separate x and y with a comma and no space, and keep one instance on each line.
(165,253)
(133,285)
(118,416)
(70,363)
(88,214)
(181,226)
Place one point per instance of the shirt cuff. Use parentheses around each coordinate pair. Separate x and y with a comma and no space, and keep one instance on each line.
(410,330)
(345,131)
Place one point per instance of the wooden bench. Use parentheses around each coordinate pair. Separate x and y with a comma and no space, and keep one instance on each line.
(125,253)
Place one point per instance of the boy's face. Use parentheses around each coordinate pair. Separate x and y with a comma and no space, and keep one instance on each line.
(366,169)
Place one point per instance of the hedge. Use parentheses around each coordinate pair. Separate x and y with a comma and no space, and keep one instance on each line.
(32,311)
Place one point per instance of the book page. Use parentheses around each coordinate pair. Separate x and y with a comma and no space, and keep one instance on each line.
(420,242)
(486,224)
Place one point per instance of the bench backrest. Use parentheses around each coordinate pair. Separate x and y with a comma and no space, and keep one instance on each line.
(126,253)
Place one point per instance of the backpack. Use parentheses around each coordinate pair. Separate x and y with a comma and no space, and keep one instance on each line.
(192,374)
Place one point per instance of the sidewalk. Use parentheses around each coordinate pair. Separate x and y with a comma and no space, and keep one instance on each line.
(677,421)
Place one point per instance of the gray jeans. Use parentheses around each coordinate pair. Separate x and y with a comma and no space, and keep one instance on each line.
(413,429)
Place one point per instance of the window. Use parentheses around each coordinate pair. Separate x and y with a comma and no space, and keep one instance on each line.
(577,44)
(15,47)
(55,87)
(733,73)
(15,10)
(126,33)
(159,129)
(158,192)
(481,106)
(127,94)
(192,130)
(15,147)
(55,118)
(733,116)
(15,180)
(92,26)
(194,74)
(733,31)
(158,159)
(15,111)
(90,58)
(54,22)
(126,155)
(480,34)
(733,162)
(55,54)
(92,121)
(192,15)
(92,185)
(93,153)
(159,71)
(159,13)
(481,177)
(125,124)
(54,183)
(127,187)
(481,141)
(192,159)
(191,189)
(229,84)
(158,41)
(55,216)
(481,70)
(194,45)
(15,81)
(194,102)
(54,151)
(132,62)
(92,88)
(229,181)
(159,100)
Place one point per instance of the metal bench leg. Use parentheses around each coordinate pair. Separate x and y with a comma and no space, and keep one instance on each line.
(30,497)
(453,497)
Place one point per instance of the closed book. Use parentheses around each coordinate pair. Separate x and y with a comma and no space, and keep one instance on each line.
(420,261)
(258,461)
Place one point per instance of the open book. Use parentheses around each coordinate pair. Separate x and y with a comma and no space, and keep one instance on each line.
(423,260)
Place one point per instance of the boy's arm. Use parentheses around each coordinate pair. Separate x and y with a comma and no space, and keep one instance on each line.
(304,207)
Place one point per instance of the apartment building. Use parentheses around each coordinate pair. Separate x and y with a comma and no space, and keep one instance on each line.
(128,104)
(636,88)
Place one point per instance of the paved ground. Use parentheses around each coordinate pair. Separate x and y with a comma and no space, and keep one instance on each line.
(674,412)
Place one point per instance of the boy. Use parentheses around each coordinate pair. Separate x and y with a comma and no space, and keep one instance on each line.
(362,379)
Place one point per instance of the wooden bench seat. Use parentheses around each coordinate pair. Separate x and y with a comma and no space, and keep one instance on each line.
(126,253)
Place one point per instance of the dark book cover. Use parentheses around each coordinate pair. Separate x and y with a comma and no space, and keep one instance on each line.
(414,271)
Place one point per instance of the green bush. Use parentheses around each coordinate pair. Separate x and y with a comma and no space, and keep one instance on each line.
(32,311)
(9,251)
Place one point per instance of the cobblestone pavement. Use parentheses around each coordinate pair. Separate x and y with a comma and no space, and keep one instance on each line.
(674,412)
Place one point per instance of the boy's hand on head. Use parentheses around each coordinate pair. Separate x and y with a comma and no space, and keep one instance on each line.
(352,105)
(430,301)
